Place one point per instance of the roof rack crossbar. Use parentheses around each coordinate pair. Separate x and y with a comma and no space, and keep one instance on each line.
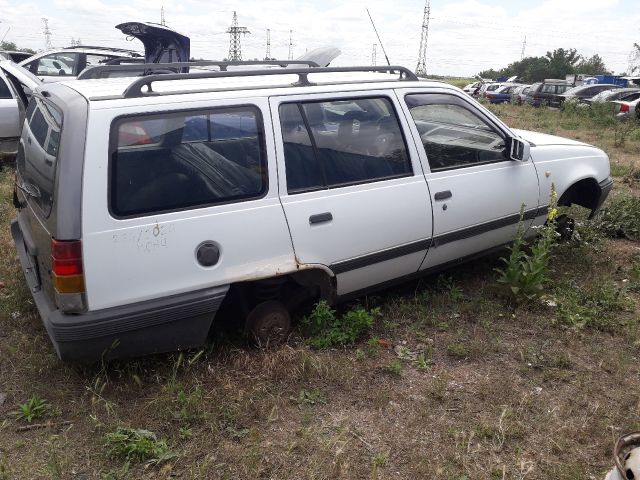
(102,71)
(135,89)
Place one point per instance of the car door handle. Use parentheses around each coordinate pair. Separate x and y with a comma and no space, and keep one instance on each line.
(320,218)
(443,195)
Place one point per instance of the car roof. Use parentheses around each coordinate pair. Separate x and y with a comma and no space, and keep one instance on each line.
(102,90)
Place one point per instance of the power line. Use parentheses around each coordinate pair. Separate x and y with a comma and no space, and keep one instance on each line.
(235,32)
(47,34)
(421,68)
(267,55)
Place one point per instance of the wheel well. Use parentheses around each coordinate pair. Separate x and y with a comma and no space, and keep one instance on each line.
(293,290)
(584,193)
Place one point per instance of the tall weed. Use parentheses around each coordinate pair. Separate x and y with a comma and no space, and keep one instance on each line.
(526,272)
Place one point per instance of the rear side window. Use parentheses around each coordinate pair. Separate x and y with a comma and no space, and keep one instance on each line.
(342,142)
(38,157)
(167,162)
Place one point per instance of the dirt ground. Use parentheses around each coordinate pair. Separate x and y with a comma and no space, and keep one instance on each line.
(453,382)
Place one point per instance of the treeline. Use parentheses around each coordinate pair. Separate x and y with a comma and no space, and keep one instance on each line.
(556,64)
(12,47)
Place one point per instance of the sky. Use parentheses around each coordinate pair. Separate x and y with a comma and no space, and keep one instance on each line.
(465,36)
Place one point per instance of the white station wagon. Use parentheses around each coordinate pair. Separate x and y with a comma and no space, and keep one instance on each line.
(148,206)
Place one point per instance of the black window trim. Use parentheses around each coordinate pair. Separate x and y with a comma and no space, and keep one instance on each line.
(464,104)
(300,102)
(113,148)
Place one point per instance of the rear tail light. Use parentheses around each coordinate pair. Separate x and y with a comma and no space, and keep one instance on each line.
(66,263)
(624,108)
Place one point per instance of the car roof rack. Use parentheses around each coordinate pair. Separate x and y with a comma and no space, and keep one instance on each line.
(110,49)
(116,65)
(135,89)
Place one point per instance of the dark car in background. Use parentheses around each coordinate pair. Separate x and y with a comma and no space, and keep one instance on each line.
(547,93)
(582,92)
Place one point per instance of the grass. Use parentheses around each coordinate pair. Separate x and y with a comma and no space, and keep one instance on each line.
(33,408)
(137,445)
(439,378)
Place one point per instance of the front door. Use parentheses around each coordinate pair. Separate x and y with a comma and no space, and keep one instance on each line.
(476,190)
(351,186)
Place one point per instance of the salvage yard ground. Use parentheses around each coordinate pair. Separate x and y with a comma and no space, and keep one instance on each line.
(453,381)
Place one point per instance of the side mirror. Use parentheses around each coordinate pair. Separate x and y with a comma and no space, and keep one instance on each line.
(518,149)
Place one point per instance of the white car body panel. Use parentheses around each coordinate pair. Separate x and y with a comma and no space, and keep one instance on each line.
(135,259)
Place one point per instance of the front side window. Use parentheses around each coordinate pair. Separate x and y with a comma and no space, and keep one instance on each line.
(453,136)
(342,142)
(168,162)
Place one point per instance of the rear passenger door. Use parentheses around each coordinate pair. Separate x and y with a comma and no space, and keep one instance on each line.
(351,186)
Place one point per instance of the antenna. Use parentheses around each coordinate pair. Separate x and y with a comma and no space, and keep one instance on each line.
(47,34)
(421,68)
(267,55)
(162,20)
(524,44)
(381,45)
(373,55)
(234,31)
(290,57)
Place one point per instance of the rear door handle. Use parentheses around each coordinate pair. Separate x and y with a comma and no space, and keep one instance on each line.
(320,218)
(443,195)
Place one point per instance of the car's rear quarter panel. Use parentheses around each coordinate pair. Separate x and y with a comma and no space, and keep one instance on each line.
(135,259)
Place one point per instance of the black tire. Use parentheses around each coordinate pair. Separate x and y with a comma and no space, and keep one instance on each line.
(268,324)
(565,226)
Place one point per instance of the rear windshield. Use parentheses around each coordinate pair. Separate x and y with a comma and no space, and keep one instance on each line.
(174,161)
(38,154)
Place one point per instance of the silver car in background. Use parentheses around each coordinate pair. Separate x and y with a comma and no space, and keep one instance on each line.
(16,85)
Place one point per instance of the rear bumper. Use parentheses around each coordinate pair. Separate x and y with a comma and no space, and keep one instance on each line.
(172,323)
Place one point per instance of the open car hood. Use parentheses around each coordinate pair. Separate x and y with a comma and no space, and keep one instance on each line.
(161,44)
(22,75)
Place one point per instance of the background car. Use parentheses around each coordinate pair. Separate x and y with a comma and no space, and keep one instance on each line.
(547,93)
(16,85)
(502,94)
(66,63)
(627,110)
(488,87)
(585,91)
(519,93)
(471,87)
(611,95)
